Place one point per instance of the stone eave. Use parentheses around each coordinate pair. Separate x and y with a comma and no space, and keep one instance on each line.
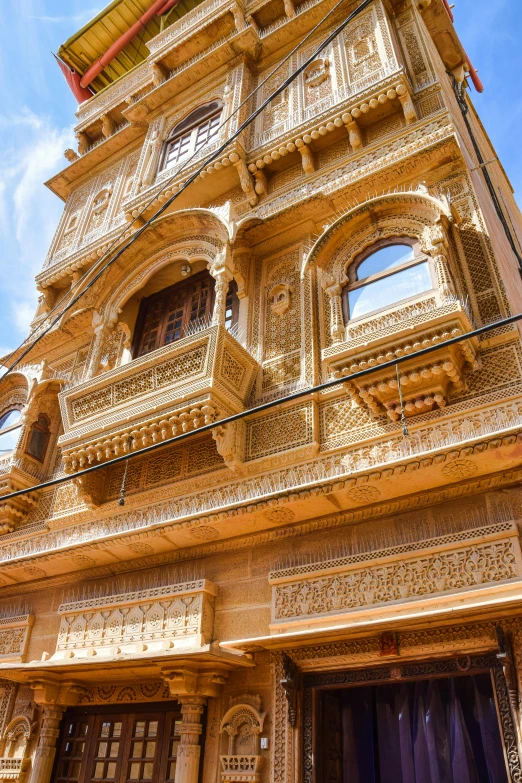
(124,666)
(498,600)
(355,481)
(63,182)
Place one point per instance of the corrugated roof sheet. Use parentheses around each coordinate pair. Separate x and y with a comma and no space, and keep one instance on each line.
(90,42)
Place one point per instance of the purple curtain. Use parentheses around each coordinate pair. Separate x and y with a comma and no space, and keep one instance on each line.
(430,731)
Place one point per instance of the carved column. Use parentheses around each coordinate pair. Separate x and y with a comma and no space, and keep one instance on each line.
(189,750)
(440,258)
(222,272)
(191,686)
(334,292)
(44,754)
(101,333)
(53,699)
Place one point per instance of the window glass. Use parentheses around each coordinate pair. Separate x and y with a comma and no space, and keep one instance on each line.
(9,419)
(387,290)
(192,134)
(9,430)
(39,439)
(383,259)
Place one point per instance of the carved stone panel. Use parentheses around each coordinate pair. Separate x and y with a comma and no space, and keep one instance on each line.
(173,616)
(444,567)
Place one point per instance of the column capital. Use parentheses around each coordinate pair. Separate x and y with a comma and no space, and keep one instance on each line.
(55,694)
(188,684)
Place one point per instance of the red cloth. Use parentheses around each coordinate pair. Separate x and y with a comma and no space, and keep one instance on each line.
(73,80)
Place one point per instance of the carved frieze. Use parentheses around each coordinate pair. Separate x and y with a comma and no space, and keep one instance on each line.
(14,637)
(327,591)
(158,619)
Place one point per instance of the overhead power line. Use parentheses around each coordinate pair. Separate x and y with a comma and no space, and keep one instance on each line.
(392,364)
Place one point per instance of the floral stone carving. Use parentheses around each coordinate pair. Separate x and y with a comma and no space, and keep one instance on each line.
(243,723)
(444,567)
(173,616)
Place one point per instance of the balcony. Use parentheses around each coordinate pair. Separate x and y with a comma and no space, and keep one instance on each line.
(426,382)
(10,769)
(16,473)
(174,389)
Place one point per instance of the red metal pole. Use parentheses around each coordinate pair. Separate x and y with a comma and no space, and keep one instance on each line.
(115,48)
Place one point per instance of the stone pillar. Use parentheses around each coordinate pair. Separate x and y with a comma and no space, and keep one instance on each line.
(101,333)
(43,759)
(189,750)
(53,697)
(191,685)
(222,272)
(439,243)
(334,292)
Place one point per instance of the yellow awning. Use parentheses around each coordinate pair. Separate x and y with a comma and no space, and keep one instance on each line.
(86,46)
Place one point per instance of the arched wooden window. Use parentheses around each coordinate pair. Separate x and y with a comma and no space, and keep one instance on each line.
(174,312)
(9,429)
(38,440)
(191,134)
(388,272)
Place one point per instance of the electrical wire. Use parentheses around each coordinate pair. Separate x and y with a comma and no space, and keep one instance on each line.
(191,179)
(391,364)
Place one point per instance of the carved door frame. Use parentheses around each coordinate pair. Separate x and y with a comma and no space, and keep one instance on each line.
(462,665)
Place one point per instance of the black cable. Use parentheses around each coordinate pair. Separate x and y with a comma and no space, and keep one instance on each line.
(194,176)
(266,406)
(464,109)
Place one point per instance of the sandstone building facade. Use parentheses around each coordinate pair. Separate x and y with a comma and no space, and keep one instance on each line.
(329,590)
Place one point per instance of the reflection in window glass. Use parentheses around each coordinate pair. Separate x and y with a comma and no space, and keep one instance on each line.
(393,288)
(383,259)
(9,419)
(9,430)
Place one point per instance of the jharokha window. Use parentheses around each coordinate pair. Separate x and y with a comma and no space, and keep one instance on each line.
(388,272)
(134,746)
(38,440)
(192,134)
(176,311)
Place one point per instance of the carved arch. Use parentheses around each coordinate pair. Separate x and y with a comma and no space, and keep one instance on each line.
(414,213)
(243,721)
(170,238)
(16,737)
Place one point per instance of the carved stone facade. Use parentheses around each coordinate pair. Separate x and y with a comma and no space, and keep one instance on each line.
(209,591)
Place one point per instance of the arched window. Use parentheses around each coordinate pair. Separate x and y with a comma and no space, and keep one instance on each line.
(38,440)
(389,272)
(9,430)
(176,311)
(192,134)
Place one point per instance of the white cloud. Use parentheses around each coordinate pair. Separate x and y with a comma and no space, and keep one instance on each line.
(29,211)
(81,18)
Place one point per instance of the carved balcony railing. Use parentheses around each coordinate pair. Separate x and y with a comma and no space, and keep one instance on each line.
(16,473)
(337,98)
(240,768)
(427,381)
(10,769)
(182,386)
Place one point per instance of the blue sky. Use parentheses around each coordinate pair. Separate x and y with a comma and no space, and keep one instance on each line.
(37,119)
